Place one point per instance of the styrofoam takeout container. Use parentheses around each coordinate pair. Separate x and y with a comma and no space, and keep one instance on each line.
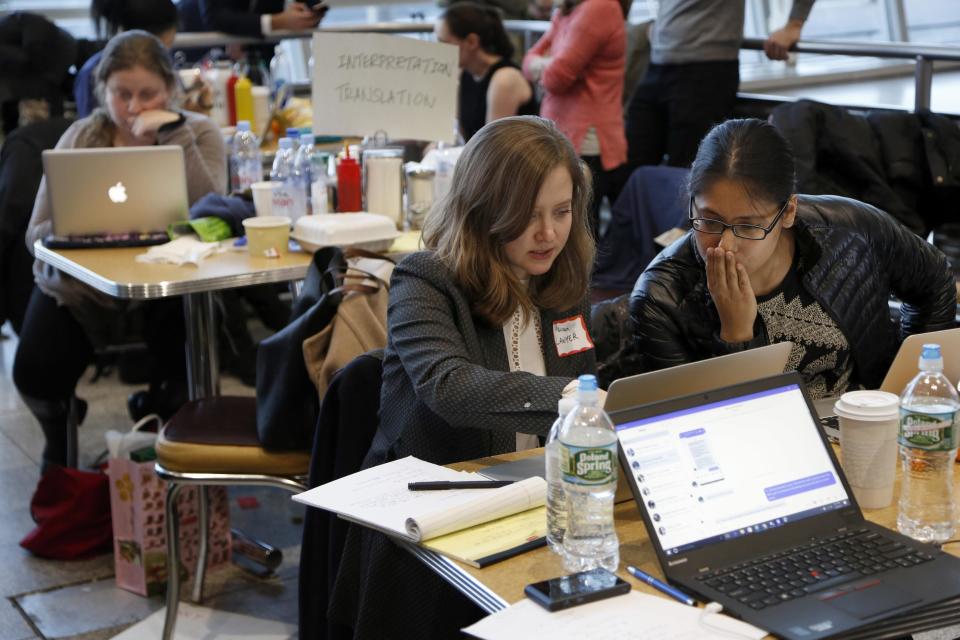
(370,231)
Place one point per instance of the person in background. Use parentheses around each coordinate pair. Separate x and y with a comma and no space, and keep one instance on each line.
(580,62)
(65,319)
(256,18)
(471,358)
(694,73)
(491,85)
(158,17)
(764,265)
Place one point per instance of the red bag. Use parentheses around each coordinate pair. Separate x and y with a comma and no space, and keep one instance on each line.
(72,512)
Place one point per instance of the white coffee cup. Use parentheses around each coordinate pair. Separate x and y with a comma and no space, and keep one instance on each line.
(869,423)
(262,197)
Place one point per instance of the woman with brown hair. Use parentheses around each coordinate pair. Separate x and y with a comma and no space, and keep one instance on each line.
(487,328)
(65,318)
(491,84)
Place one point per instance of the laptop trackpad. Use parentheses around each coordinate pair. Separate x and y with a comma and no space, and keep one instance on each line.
(868,598)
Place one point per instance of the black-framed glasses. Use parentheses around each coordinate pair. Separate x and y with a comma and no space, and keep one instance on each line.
(745,231)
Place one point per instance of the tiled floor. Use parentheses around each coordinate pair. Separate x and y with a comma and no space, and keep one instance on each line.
(78,599)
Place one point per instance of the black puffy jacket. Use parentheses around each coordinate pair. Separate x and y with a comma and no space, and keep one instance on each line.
(852,258)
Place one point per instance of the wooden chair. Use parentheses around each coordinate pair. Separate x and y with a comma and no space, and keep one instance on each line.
(214,442)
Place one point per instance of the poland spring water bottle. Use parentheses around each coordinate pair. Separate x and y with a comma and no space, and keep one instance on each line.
(246,163)
(556,498)
(588,455)
(928,446)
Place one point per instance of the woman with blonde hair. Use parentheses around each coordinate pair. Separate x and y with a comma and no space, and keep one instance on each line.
(487,328)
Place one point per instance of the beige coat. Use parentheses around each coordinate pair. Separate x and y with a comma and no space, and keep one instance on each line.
(359,326)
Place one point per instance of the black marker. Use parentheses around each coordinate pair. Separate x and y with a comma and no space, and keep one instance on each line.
(468,484)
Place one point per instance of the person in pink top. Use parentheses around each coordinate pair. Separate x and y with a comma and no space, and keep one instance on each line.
(580,63)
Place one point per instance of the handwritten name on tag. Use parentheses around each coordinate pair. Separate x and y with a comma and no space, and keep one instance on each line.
(571,336)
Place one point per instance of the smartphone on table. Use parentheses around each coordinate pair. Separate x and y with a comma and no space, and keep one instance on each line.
(578,588)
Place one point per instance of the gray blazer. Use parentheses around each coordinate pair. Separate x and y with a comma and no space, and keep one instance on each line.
(448,393)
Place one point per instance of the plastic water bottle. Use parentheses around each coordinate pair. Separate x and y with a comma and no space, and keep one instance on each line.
(556,497)
(246,163)
(288,196)
(588,457)
(303,168)
(928,446)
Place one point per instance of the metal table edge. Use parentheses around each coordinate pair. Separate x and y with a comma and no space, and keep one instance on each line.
(476,591)
(152,291)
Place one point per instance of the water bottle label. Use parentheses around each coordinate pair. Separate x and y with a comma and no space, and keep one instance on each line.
(588,465)
(927,431)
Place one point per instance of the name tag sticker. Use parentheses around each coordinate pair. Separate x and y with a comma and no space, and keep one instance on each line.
(571,336)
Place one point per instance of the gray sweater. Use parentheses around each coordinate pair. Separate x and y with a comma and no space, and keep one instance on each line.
(704,30)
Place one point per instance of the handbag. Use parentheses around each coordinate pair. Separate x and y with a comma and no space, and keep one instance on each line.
(287,401)
(72,511)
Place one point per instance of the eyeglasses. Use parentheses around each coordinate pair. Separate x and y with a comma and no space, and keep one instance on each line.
(745,231)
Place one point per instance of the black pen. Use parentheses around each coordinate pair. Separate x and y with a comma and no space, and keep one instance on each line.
(467,484)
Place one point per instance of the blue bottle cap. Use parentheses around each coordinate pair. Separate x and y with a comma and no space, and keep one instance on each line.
(587,382)
(930,352)
(243,125)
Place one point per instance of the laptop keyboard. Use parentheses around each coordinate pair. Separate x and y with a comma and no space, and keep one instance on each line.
(105,241)
(809,568)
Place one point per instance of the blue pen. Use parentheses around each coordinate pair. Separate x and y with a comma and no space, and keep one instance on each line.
(676,594)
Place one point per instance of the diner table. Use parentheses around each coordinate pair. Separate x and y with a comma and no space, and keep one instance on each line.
(497,586)
(115,272)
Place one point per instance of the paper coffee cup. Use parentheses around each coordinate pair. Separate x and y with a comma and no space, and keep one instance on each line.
(869,422)
(262,197)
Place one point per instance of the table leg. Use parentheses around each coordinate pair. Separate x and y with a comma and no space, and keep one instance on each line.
(203,365)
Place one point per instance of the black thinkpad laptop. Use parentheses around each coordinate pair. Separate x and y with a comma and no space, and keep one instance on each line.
(746,505)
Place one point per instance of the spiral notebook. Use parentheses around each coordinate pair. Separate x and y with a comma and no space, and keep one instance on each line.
(477,526)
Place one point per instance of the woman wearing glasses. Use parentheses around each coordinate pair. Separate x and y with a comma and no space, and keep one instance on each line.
(763,265)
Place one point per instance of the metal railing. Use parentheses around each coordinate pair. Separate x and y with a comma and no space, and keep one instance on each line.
(923,56)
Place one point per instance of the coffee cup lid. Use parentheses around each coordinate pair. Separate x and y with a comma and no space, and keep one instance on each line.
(867,405)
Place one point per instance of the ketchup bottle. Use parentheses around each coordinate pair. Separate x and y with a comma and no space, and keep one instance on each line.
(231,97)
(348,184)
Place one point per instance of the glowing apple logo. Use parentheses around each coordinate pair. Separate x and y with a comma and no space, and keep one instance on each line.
(117,193)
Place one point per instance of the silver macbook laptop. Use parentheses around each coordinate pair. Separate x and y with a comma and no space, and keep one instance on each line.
(114,196)
(695,377)
(746,504)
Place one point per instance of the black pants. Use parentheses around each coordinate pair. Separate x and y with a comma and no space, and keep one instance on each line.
(607,184)
(674,106)
(54,349)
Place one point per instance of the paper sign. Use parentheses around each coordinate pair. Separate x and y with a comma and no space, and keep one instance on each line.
(364,82)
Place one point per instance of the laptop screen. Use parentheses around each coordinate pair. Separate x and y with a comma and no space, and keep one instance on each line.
(730,468)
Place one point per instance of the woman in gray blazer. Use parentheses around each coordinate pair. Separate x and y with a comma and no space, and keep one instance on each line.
(486,331)
(487,328)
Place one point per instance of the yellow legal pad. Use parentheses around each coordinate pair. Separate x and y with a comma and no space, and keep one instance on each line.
(493,541)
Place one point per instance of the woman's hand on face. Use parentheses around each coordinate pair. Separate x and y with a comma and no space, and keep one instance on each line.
(148,123)
(729,286)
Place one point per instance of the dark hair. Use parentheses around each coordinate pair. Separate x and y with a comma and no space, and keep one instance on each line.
(112,16)
(494,191)
(464,18)
(749,151)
